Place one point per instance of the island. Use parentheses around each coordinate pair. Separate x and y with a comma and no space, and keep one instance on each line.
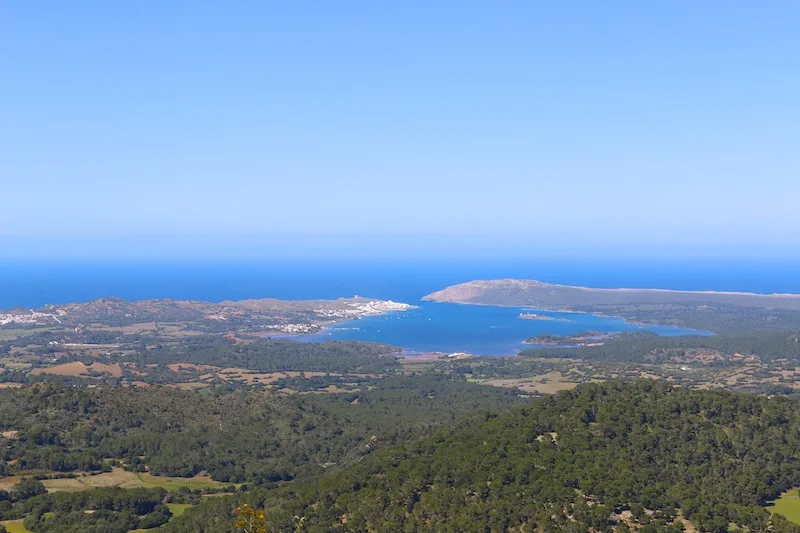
(536,316)
(583,338)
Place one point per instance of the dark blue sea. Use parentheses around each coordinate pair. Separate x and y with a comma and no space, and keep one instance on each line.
(433,327)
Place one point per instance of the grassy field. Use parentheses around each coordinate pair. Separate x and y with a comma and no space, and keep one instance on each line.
(178,508)
(14,526)
(13,364)
(11,334)
(129,480)
(788,505)
(543,384)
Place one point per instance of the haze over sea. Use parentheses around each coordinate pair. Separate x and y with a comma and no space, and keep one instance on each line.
(433,327)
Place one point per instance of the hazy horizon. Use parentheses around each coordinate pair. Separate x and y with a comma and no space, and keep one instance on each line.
(381,246)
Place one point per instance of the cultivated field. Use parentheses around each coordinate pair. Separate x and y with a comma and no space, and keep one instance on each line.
(77,368)
(118,478)
(14,526)
(544,384)
(10,334)
(788,505)
(178,508)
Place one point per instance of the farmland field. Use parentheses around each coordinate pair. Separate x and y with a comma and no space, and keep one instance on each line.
(788,505)
(9,334)
(178,508)
(14,526)
(128,480)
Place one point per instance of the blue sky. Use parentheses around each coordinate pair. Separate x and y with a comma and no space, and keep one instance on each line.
(145,127)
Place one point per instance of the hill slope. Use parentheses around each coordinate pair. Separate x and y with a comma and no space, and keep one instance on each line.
(241,436)
(564,463)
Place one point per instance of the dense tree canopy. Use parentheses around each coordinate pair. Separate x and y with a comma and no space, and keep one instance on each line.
(273,355)
(564,464)
(113,510)
(235,436)
(651,348)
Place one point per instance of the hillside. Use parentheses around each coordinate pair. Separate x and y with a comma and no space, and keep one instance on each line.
(604,457)
(241,436)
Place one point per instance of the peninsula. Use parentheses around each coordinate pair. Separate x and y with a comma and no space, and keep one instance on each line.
(708,310)
(550,296)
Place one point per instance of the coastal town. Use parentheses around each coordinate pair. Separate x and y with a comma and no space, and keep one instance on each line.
(294,317)
(26,317)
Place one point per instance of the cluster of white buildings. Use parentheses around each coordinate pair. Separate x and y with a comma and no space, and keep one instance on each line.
(366,308)
(298,329)
(29,318)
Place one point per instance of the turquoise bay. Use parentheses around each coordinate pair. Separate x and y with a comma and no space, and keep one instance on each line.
(479,330)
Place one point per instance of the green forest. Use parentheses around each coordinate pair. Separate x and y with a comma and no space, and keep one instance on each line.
(419,453)
(645,346)
(244,436)
(577,461)
(348,436)
(276,355)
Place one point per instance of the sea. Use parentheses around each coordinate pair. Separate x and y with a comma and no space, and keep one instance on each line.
(446,328)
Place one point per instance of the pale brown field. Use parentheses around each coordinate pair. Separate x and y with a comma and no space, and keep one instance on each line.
(113,369)
(248,376)
(17,365)
(181,367)
(260,378)
(190,385)
(543,384)
(67,369)
(165,329)
(77,368)
(7,483)
(233,370)
(127,480)
(330,389)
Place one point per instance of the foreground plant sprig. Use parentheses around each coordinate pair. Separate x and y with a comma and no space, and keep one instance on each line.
(251,520)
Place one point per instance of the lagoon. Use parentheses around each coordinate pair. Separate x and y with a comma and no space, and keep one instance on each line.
(475,329)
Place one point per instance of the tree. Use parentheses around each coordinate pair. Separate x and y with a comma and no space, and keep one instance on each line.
(250,520)
(28,488)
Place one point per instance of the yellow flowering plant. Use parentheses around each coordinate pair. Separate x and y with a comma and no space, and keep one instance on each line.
(250,520)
